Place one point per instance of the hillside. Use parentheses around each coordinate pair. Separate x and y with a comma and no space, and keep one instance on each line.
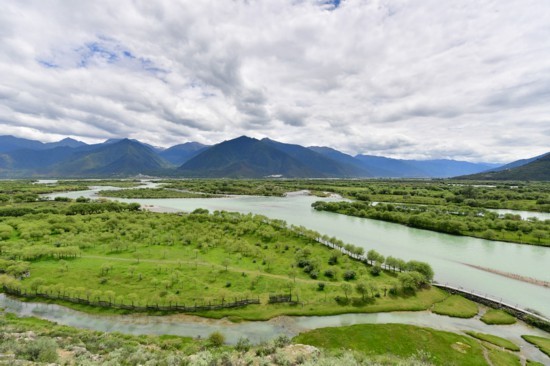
(381,166)
(179,154)
(244,157)
(538,169)
(121,158)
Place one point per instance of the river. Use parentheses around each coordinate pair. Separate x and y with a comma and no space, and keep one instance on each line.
(258,331)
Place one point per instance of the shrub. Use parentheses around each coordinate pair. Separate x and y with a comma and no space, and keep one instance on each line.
(216,339)
(42,349)
(375,270)
(281,341)
(349,275)
(243,344)
(321,286)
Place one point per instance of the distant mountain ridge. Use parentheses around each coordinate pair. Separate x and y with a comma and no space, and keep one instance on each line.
(242,157)
(537,168)
(179,154)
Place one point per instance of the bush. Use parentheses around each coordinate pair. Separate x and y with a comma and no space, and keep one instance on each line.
(216,339)
(349,275)
(321,286)
(375,270)
(42,349)
(243,344)
(281,341)
(329,273)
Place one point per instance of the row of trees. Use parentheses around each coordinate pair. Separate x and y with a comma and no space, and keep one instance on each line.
(448,219)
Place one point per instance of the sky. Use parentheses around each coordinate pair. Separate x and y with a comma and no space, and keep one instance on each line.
(466,80)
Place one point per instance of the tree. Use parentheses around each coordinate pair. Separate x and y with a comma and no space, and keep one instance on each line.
(539,234)
(346,287)
(361,288)
(225,263)
(422,267)
(36,284)
(372,256)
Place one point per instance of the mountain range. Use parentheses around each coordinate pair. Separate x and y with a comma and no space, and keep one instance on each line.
(242,157)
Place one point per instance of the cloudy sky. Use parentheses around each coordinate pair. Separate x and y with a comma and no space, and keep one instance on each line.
(461,79)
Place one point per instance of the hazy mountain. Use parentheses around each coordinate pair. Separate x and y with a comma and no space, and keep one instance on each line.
(11,143)
(444,168)
(324,166)
(340,157)
(152,147)
(516,163)
(380,166)
(179,154)
(66,142)
(537,168)
(241,157)
(245,157)
(122,158)
(440,168)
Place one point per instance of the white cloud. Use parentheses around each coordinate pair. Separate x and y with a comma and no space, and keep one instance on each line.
(465,79)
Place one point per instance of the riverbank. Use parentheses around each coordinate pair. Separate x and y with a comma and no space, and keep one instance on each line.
(262,331)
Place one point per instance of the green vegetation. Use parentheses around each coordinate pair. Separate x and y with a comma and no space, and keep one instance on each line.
(457,220)
(113,256)
(542,343)
(496,316)
(34,340)
(456,306)
(527,196)
(502,358)
(453,207)
(373,339)
(152,193)
(497,341)
(229,186)
(533,363)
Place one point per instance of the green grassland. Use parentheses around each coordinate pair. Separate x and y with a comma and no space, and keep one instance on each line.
(502,358)
(497,341)
(496,316)
(153,193)
(113,253)
(542,343)
(456,306)
(402,340)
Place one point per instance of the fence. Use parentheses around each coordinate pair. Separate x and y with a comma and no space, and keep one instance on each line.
(149,307)
(528,316)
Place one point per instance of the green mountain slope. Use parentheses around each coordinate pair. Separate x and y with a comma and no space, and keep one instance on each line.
(245,157)
(538,169)
(121,158)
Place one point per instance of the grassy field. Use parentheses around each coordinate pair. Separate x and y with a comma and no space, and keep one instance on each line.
(456,306)
(497,341)
(152,193)
(444,348)
(144,258)
(498,317)
(542,343)
(502,358)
